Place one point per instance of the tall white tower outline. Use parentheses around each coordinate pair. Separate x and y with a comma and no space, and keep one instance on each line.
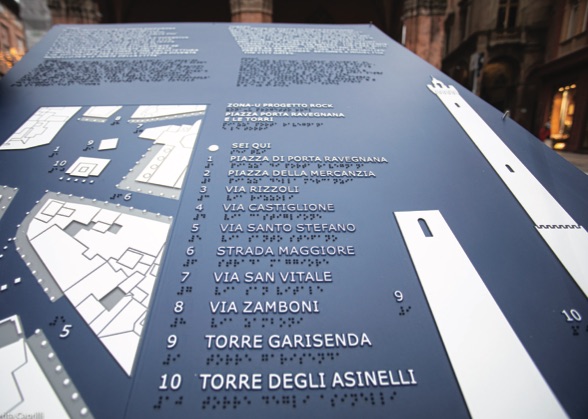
(480,342)
(567,239)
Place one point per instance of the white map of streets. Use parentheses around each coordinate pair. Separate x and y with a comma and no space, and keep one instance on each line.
(168,167)
(162,112)
(24,386)
(40,128)
(33,379)
(162,169)
(104,258)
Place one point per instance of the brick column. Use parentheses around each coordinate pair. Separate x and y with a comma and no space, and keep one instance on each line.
(259,11)
(423,22)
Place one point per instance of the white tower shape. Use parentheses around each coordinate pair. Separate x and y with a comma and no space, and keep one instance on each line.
(567,239)
(479,340)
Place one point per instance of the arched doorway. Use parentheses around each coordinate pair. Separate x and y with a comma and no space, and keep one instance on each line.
(499,83)
(459,72)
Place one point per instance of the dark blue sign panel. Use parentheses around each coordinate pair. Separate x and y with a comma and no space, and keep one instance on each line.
(215,220)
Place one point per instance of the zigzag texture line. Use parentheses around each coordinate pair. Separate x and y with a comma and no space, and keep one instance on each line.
(559,226)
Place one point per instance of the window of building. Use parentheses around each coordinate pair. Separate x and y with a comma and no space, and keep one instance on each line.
(463,19)
(20,45)
(585,19)
(507,14)
(585,137)
(563,106)
(460,74)
(575,18)
(498,84)
(449,22)
(572,16)
(4,38)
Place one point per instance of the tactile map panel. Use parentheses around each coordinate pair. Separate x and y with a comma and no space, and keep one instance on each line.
(236,221)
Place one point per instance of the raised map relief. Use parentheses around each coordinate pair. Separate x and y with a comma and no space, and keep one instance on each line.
(240,221)
(104,259)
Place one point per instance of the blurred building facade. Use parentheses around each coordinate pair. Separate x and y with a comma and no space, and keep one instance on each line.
(493,46)
(74,11)
(385,14)
(526,56)
(251,11)
(422,28)
(12,36)
(563,77)
(36,20)
(38,16)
